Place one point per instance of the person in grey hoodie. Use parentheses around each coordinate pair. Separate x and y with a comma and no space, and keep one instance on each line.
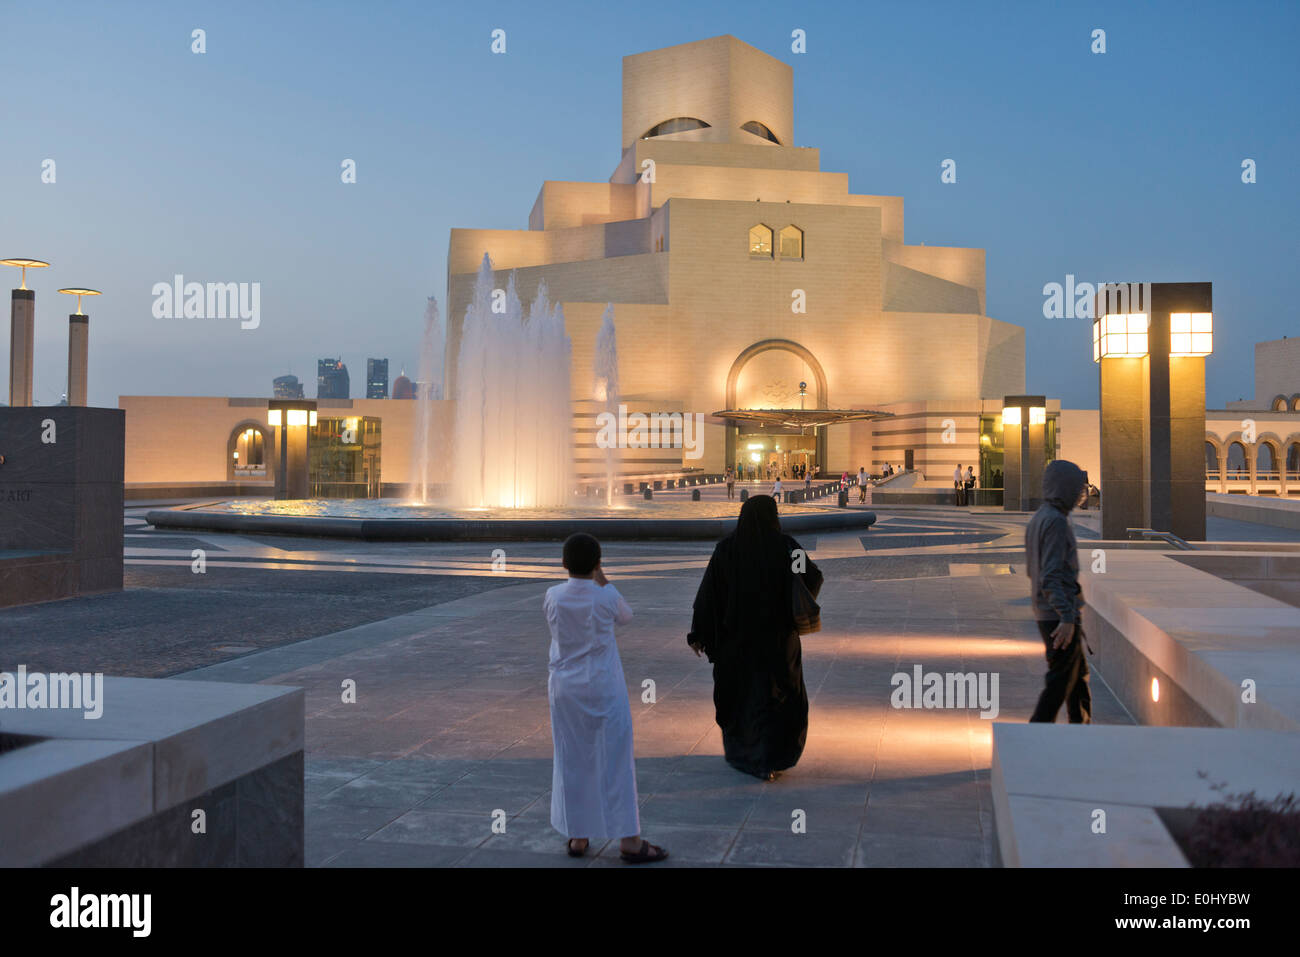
(1052,563)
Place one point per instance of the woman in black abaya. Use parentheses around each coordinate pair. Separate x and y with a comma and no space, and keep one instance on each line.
(744,621)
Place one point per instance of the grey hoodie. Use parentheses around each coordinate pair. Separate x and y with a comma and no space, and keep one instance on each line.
(1051,552)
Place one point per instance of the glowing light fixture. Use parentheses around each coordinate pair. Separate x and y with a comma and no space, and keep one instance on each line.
(1155,689)
(24,265)
(79,293)
(1119,336)
(1191,334)
(295,417)
(1037,415)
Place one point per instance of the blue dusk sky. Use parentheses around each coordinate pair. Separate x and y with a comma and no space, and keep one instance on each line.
(225,166)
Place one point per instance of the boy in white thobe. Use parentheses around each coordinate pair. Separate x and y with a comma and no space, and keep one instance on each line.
(593,786)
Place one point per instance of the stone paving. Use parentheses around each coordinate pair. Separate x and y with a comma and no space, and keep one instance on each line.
(450,730)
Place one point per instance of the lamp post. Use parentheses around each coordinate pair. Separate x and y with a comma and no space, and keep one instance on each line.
(1024,448)
(291,419)
(78,347)
(22,333)
(1150,341)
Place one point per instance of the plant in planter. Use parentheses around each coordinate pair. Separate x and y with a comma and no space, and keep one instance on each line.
(1242,830)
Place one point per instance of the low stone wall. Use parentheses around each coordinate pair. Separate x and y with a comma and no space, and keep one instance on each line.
(1052,784)
(60,502)
(1277,512)
(925,496)
(163,491)
(125,789)
(1211,643)
(506,530)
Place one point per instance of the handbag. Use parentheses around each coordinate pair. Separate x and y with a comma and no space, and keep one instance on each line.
(807,613)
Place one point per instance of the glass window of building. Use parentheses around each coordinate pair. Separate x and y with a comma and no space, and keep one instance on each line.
(760,242)
(678,124)
(758,129)
(991,451)
(792,243)
(1211,461)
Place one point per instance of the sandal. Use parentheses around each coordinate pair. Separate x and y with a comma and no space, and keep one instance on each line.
(648,854)
(581,853)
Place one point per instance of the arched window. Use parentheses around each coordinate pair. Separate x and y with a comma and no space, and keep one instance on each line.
(1279,404)
(1265,462)
(758,129)
(1293,461)
(247,451)
(1238,470)
(1295,404)
(792,243)
(760,242)
(678,124)
(1211,461)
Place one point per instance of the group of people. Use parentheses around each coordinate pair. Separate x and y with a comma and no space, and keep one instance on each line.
(962,485)
(757,596)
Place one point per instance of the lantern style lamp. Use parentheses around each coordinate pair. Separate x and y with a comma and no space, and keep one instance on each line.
(1024,450)
(292,420)
(1150,342)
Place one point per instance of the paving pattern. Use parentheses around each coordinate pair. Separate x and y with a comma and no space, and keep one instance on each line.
(445,758)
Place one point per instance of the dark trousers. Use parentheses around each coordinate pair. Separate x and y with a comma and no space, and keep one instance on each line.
(1067,679)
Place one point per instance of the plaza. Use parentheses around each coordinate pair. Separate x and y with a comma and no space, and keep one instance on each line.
(444,758)
(315,625)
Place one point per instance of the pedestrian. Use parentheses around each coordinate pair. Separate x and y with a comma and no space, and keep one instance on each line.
(754,601)
(970,484)
(777,489)
(1052,562)
(593,784)
(958,486)
(862,484)
(731,482)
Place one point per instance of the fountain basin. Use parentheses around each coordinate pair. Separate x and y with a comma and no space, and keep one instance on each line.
(377,521)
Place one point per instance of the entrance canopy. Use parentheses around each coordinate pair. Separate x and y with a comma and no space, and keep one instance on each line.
(801,418)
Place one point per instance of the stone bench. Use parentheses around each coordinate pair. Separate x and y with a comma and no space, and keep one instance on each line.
(121,790)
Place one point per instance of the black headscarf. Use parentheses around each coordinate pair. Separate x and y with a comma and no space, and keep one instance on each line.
(760,566)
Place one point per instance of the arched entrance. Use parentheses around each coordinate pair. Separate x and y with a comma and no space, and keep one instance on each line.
(775,374)
(248,451)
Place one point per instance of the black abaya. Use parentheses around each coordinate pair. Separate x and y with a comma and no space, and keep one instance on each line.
(744,622)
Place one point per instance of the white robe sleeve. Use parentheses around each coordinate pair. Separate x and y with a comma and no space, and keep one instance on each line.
(622,610)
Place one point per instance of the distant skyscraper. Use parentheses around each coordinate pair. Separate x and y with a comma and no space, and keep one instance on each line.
(287,387)
(332,380)
(376,378)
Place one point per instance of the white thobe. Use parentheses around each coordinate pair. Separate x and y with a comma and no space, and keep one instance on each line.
(593,786)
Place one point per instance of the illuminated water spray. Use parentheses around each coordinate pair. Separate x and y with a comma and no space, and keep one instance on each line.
(512,445)
(605,386)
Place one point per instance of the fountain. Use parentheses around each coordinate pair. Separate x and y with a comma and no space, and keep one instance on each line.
(605,387)
(512,445)
(506,473)
(430,390)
